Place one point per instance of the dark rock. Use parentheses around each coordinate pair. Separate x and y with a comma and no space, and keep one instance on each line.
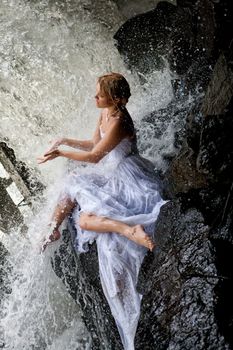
(23,181)
(10,215)
(26,174)
(215,157)
(223,21)
(182,175)
(154,30)
(220,89)
(161,123)
(183,34)
(224,288)
(193,128)
(179,288)
(206,155)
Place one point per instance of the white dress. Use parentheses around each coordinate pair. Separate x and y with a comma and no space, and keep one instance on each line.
(122,186)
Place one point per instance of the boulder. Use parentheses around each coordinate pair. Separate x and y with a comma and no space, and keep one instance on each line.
(184,35)
(178,308)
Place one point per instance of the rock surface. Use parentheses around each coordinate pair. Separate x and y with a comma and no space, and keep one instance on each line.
(178,286)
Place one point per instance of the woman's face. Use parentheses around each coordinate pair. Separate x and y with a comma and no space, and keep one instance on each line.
(102,100)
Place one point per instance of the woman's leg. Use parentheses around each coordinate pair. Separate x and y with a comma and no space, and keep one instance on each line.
(92,222)
(61,211)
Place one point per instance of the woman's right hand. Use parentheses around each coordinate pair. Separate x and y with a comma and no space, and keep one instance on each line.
(49,156)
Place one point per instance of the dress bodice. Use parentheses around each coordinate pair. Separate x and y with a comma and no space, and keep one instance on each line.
(122,150)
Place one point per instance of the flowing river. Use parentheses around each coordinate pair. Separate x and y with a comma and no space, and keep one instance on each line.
(50,56)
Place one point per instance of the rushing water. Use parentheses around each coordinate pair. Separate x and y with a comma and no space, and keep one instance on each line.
(50,56)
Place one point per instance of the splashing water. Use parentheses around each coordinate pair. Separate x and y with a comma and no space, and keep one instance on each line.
(50,56)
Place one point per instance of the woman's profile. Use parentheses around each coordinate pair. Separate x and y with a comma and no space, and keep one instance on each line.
(115,201)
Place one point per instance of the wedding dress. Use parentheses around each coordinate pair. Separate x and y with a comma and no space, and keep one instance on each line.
(122,186)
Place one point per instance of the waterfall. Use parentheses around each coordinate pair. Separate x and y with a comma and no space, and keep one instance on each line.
(50,56)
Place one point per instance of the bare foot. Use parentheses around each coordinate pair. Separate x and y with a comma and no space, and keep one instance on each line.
(139,236)
(55,235)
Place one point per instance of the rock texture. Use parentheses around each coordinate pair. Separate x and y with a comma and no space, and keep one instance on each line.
(178,286)
(16,174)
(189,36)
(188,283)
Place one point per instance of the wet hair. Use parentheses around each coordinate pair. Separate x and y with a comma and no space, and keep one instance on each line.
(115,86)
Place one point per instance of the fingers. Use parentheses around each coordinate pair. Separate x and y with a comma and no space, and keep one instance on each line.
(41,160)
(49,155)
(53,153)
(44,159)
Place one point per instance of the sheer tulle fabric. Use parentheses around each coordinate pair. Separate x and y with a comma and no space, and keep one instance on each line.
(121,186)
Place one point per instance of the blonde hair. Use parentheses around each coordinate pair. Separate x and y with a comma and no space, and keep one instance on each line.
(115,87)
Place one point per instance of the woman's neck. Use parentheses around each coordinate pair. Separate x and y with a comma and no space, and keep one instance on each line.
(114,109)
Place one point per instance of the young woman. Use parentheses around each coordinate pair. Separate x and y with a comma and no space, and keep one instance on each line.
(116,198)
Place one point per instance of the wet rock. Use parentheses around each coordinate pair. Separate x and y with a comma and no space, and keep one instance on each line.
(130,8)
(182,174)
(206,155)
(178,309)
(18,184)
(220,89)
(154,30)
(10,216)
(215,155)
(25,174)
(188,284)
(184,35)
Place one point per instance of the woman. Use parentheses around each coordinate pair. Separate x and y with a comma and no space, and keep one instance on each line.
(117,197)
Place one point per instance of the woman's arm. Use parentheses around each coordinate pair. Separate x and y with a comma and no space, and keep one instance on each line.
(84,145)
(111,139)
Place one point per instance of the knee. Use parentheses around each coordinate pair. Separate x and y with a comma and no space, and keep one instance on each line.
(84,220)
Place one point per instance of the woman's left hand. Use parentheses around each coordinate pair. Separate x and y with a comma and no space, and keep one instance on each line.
(48,156)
